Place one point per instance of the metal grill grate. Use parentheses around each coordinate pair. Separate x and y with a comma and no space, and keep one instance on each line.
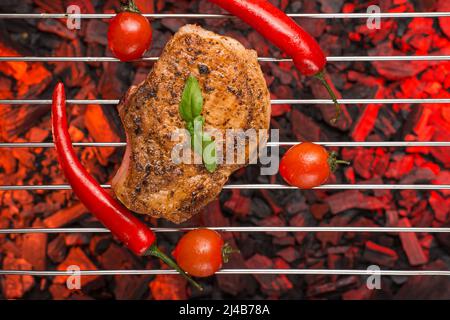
(247,186)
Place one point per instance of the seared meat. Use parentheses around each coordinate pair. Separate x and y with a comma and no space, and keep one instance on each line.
(235,97)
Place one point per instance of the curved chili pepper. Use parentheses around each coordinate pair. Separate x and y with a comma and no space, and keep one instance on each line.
(113,215)
(283,32)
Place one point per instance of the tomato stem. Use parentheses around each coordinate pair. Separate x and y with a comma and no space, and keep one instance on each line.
(321,77)
(334,162)
(129,6)
(228,250)
(155,252)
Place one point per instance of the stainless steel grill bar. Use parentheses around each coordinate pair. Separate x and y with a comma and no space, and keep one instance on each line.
(263,186)
(261,59)
(235,271)
(237,229)
(270,144)
(220,16)
(274,102)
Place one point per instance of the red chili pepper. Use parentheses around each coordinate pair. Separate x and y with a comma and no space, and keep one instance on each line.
(113,215)
(283,32)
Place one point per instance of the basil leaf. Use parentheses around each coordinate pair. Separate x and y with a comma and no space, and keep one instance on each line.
(191,100)
(209,153)
(190,109)
(197,134)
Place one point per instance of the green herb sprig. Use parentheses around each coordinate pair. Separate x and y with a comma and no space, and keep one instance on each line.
(190,109)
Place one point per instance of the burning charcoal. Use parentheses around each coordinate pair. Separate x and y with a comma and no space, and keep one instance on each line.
(259,208)
(56,27)
(272,284)
(57,249)
(331,6)
(365,123)
(233,284)
(332,237)
(352,199)
(34,248)
(319,210)
(25,157)
(444,238)
(441,206)
(37,134)
(284,241)
(409,199)
(391,218)
(304,128)
(301,219)
(79,259)
(427,287)
(281,109)
(7,162)
(96,32)
(330,287)
(59,291)
(294,202)
(289,254)
(396,70)
(101,130)
(380,255)
(77,239)
(418,175)
(360,163)
(361,293)
(116,257)
(15,286)
(238,204)
(401,165)
(442,178)
(168,287)
(444,22)
(131,287)
(273,221)
(99,244)
(270,200)
(65,216)
(411,245)
(212,215)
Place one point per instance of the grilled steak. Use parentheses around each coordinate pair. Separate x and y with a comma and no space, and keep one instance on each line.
(235,97)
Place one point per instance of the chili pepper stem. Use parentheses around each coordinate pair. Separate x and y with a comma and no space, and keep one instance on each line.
(129,6)
(321,77)
(334,162)
(228,250)
(155,252)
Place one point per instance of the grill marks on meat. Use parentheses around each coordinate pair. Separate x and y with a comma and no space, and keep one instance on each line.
(235,97)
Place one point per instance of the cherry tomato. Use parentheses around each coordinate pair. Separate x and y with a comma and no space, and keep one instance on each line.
(305,165)
(129,35)
(199,252)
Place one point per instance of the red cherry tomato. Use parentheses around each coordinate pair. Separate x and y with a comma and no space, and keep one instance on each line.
(199,252)
(129,35)
(305,165)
